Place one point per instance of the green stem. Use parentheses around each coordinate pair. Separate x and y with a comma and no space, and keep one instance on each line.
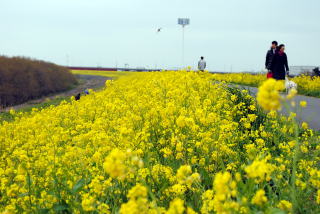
(294,171)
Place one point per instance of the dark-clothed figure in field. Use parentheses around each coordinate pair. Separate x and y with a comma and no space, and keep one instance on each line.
(279,64)
(270,55)
(77,97)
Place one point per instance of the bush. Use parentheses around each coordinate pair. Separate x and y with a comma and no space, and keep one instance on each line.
(22,79)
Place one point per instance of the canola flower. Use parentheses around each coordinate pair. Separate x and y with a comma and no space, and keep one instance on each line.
(259,198)
(303,104)
(138,202)
(268,94)
(113,74)
(114,164)
(158,142)
(260,170)
(285,205)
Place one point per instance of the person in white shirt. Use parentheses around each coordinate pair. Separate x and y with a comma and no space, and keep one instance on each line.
(202,64)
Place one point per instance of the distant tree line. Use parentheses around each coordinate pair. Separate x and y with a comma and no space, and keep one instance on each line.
(23,79)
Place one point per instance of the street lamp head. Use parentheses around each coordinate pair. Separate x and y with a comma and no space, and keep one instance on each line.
(183,21)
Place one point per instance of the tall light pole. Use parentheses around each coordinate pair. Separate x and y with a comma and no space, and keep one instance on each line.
(183,22)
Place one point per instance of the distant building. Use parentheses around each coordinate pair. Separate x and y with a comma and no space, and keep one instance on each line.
(296,70)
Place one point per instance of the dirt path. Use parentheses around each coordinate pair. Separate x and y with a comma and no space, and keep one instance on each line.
(86,81)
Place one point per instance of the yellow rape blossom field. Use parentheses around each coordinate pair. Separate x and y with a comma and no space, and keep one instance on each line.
(113,74)
(307,85)
(160,142)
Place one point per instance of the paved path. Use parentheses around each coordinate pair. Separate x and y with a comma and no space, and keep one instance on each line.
(310,114)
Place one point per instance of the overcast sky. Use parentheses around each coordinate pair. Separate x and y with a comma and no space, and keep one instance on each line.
(230,34)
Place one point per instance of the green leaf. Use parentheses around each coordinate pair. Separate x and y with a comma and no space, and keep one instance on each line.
(78,186)
(275,211)
(44,211)
(59,207)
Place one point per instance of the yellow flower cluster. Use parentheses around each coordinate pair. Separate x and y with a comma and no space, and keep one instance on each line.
(268,95)
(259,198)
(113,74)
(260,170)
(158,142)
(138,202)
(114,164)
(285,205)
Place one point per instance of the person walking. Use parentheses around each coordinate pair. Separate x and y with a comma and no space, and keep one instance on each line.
(202,64)
(269,57)
(279,64)
(86,91)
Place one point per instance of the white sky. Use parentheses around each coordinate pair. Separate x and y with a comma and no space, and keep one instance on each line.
(229,34)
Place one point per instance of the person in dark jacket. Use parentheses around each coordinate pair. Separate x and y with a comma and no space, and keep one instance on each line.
(270,54)
(77,97)
(279,64)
